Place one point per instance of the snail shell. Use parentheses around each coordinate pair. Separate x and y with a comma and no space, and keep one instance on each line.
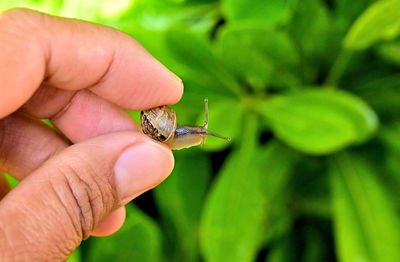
(159,123)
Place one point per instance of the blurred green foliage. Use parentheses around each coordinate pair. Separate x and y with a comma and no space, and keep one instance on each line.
(311,173)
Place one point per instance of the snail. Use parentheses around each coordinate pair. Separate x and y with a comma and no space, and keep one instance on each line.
(160,123)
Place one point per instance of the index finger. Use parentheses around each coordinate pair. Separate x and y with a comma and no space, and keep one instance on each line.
(72,54)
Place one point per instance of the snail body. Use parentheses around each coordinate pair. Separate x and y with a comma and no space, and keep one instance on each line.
(160,123)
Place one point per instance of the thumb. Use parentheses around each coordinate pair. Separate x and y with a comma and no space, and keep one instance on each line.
(57,206)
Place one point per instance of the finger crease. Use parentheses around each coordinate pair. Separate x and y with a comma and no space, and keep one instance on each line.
(85,227)
(100,196)
(106,73)
(64,109)
(78,229)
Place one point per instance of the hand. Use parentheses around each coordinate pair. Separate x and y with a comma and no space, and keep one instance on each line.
(80,76)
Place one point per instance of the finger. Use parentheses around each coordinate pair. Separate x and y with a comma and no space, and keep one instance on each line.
(81,116)
(111,223)
(20,155)
(25,143)
(72,55)
(4,186)
(49,213)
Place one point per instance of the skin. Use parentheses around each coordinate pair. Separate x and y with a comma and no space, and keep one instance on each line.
(75,181)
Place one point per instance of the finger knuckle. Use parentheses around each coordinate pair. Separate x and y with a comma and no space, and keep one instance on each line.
(22,25)
(88,191)
(20,17)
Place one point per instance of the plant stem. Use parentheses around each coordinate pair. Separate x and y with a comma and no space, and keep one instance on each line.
(338,68)
(249,136)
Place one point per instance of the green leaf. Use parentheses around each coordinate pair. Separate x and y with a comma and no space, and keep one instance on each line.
(314,247)
(135,115)
(365,222)
(313,31)
(267,12)
(346,14)
(180,200)
(48,122)
(381,21)
(390,137)
(237,206)
(392,179)
(382,92)
(198,62)
(52,7)
(161,15)
(308,190)
(11,180)
(390,51)
(274,44)
(282,251)
(75,256)
(152,40)
(319,121)
(199,84)
(278,212)
(138,240)
(95,11)
(264,54)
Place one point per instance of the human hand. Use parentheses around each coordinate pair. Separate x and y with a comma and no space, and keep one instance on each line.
(80,76)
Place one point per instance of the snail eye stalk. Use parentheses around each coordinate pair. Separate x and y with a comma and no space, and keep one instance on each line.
(206,123)
(206,120)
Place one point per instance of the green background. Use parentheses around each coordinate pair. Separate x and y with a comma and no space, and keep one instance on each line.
(309,92)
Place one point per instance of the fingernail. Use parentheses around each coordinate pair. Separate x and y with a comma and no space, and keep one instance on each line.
(142,167)
(179,81)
